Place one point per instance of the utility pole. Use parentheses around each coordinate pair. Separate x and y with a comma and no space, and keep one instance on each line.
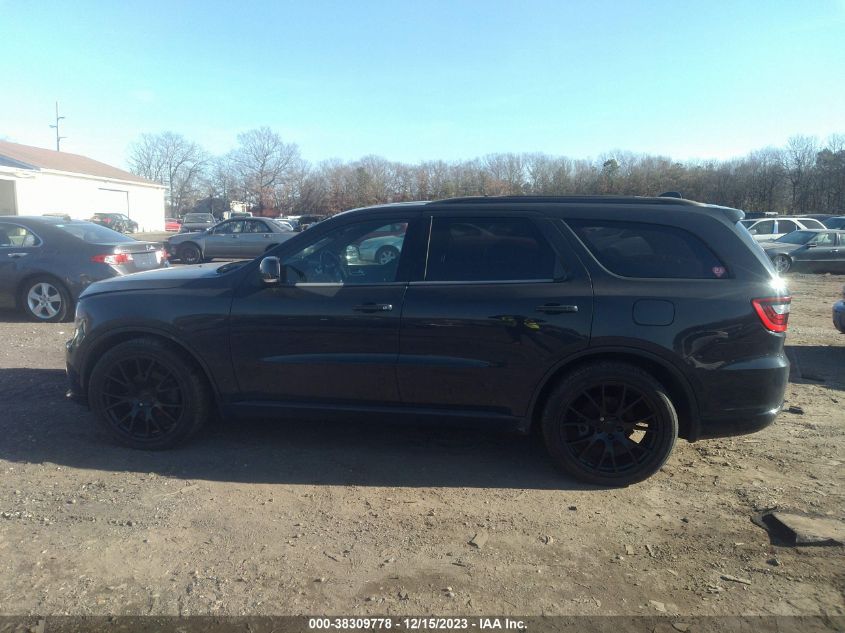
(56,126)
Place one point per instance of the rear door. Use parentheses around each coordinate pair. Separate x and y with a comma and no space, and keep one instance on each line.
(500,301)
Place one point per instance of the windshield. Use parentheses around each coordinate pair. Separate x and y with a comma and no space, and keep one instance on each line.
(199,217)
(797,237)
(93,233)
(835,223)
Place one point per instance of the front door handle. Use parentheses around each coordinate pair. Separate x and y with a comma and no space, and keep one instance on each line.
(374,307)
(556,308)
(17,255)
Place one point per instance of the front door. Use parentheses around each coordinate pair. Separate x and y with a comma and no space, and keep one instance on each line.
(330,333)
(822,253)
(500,303)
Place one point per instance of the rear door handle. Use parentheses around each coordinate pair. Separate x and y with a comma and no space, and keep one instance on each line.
(556,308)
(374,307)
(17,255)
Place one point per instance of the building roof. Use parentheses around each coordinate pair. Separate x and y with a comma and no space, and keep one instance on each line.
(28,157)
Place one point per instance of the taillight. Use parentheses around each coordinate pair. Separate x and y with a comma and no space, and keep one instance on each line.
(773,312)
(113,259)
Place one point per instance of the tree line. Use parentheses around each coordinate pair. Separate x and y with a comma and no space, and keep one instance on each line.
(270,177)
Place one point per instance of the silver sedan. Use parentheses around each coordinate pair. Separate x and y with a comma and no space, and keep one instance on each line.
(235,238)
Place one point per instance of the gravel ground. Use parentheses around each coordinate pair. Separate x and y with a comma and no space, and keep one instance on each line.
(263,518)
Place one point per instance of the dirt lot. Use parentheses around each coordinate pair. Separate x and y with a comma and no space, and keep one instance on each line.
(331,518)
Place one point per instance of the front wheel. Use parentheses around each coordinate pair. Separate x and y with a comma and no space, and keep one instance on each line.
(610,424)
(190,254)
(148,396)
(46,299)
(782,264)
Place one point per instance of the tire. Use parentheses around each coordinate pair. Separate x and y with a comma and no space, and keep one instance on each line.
(148,396)
(610,424)
(386,254)
(45,299)
(189,253)
(782,264)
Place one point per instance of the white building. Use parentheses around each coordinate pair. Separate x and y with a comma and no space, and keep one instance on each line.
(35,181)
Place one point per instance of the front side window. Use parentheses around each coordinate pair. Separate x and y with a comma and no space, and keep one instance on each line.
(823,239)
(767,227)
(633,249)
(489,249)
(14,236)
(360,253)
(227,228)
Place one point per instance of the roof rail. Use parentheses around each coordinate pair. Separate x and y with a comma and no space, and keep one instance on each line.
(583,199)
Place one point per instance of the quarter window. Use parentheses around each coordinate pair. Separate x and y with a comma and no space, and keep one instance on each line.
(631,249)
(489,249)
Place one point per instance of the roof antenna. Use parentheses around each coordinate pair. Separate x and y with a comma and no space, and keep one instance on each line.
(670,194)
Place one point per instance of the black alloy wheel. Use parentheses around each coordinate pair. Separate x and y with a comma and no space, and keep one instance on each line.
(190,254)
(148,396)
(610,424)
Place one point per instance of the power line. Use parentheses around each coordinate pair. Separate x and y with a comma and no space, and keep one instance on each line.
(56,126)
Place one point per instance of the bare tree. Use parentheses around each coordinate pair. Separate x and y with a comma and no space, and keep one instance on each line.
(172,160)
(263,162)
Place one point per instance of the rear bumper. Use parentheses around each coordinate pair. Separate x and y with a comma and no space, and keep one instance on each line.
(736,424)
(743,397)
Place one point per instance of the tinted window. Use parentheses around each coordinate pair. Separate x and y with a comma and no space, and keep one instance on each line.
(810,223)
(360,253)
(489,249)
(766,227)
(93,233)
(786,226)
(835,223)
(14,236)
(632,249)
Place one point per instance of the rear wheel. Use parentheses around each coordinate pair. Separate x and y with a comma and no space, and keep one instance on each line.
(148,396)
(782,264)
(190,254)
(386,254)
(610,424)
(45,299)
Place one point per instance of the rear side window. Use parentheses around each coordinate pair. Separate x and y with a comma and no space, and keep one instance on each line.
(786,226)
(489,249)
(632,249)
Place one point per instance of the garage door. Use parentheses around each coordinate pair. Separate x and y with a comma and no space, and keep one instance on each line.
(113,201)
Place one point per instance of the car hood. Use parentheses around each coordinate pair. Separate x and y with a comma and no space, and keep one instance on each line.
(158,279)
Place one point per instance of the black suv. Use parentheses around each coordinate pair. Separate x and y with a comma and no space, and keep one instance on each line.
(610,325)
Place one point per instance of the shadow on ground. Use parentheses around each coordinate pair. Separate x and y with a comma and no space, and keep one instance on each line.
(39,425)
(817,364)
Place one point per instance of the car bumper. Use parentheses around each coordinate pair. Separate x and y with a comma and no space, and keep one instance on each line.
(839,316)
(737,424)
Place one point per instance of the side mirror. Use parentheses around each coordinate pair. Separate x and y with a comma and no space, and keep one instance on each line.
(811,244)
(271,270)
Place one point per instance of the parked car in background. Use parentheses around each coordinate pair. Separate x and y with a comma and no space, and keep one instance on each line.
(612,326)
(172,224)
(839,313)
(238,238)
(835,222)
(193,222)
(808,250)
(755,215)
(46,262)
(766,229)
(306,221)
(287,226)
(821,217)
(116,222)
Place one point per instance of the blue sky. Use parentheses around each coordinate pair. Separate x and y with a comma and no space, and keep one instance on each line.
(426,79)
